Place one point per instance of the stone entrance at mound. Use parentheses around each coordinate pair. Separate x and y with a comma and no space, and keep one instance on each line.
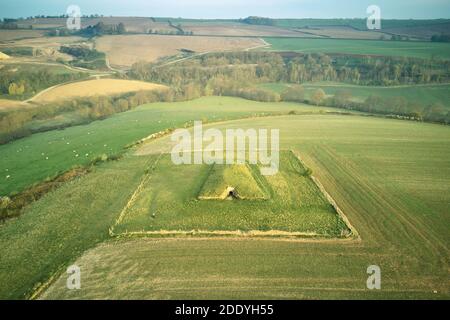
(230,193)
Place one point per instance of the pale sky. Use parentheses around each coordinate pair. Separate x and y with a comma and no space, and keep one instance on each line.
(390,9)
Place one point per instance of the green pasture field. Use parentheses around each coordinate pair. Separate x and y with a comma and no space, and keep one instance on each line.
(30,160)
(390,177)
(172,199)
(360,24)
(413,49)
(422,94)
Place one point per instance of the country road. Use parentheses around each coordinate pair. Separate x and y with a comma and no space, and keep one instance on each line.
(265,44)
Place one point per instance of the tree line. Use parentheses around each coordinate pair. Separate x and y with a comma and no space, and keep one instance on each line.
(15,124)
(236,73)
(90,31)
(258,21)
(440,38)
(391,106)
(23,83)
(232,74)
(85,57)
(272,67)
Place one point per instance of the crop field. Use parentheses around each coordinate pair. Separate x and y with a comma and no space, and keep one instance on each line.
(368,165)
(46,41)
(132,24)
(8,35)
(414,49)
(237,29)
(221,199)
(43,155)
(343,32)
(98,87)
(422,31)
(124,51)
(360,24)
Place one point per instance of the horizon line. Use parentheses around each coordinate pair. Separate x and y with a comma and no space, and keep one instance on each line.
(55,16)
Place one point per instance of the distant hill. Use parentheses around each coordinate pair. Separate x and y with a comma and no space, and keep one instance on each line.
(423,29)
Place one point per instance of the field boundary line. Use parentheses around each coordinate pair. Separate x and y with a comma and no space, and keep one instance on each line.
(354,232)
(264,45)
(288,235)
(42,288)
(133,197)
(236,234)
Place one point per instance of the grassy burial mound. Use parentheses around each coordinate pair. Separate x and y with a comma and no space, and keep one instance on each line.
(90,88)
(232,182)
(289,203)
(124,51)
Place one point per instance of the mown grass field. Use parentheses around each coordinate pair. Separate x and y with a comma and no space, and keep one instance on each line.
(423,94)
(35,158)
(6,104)
(99,87)
(390,177)
(172,200)
(414,49)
